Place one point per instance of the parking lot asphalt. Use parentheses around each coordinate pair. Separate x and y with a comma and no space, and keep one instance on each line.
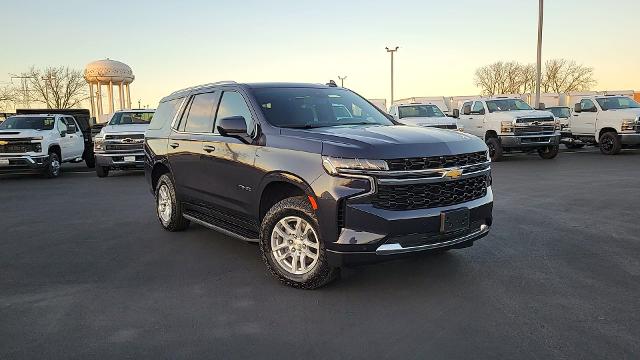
(87,272)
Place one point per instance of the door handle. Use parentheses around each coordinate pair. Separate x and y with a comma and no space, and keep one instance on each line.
(470,118)
(174,145)
(209,148)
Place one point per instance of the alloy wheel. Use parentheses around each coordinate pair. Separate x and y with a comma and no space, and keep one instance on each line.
(295,245)
(164,204)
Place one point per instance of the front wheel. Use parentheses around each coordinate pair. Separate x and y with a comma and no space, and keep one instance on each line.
(548,152)
(291,245)
(495,149)
(168,207)
(610,143)
(102,171)
(54,167)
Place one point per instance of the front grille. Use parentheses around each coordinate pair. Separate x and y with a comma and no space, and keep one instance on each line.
(437,162)
(529,120)
(430,195)
(123,147)
(18,148)
(452,126)
(534,129)
(124,136)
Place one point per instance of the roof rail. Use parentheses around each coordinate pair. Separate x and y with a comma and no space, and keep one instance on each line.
(196,87)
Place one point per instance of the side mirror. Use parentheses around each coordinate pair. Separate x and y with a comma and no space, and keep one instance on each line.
(456,113)
(542,106)
(63,133)
(233,126)
(577,108)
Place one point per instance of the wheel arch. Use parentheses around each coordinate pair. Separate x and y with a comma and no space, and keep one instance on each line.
(57,149)
(490,134)
(279,186)
(605,130)
(159,169)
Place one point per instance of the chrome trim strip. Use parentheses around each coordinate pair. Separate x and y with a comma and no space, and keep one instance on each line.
(218,229)
(409,181)
(409,172)
(391,249)
(112,154)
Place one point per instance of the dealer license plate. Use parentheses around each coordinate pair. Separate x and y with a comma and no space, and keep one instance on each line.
(129,159)
(4,162)
(454,220)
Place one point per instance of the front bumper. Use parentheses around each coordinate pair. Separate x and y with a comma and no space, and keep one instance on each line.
(133,160)
(630,139)
(529,141)
(23,163)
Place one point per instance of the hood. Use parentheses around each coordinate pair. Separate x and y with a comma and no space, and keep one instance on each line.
(129,128)
(388,142)
(511,115)
(428,121)
(26,133)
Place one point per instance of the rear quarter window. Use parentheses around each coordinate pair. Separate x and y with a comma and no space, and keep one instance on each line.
(165,113)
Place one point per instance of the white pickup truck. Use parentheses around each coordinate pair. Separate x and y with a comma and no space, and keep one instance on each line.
(39,143)
(611,122)
(119,145)
(422,114)
(510,124)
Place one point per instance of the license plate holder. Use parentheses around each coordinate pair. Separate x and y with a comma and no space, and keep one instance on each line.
(454,220)
(4,162)
(129,159)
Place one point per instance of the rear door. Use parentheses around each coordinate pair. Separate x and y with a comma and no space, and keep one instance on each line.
(584,122)
(185,144)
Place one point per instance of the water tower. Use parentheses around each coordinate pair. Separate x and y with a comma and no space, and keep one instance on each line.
(108,73)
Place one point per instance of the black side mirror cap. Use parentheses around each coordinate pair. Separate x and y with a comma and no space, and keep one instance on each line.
(456,113)
(63,133)
(577,108)
(542,106)
(235,127)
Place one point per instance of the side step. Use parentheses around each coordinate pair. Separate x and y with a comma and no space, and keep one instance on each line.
(193,216)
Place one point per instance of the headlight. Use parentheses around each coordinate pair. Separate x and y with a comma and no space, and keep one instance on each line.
(38,147)
(98,143)
(506,127)
(334,165)
(627,125)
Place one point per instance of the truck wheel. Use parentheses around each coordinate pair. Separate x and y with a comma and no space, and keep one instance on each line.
(53,169)
(291,245)
(610,143)
(90,161)
(548,152)
(102,171)
(168,207)
(495,149)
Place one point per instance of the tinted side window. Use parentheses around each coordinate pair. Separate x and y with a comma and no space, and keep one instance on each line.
(165,113)
(587,104)
(200,117)
(72,128)
(62,125)
(466,108)
(233,104)
(478,108)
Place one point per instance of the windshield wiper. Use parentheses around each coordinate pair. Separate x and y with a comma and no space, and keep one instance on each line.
(302,126)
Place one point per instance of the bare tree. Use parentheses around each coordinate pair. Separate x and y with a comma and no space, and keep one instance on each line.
(563,76)
(7,98)
(500,78)
(56,87)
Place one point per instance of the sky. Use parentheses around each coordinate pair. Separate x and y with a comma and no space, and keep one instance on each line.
(176,44)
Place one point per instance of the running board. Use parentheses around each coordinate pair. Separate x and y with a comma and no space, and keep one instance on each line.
(218,229)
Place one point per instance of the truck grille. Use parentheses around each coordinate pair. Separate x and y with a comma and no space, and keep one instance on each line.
(17,148)
(534,129)
(450,126)
(530,120)
(123,147)
(437,162)
(430,195)
(124,136)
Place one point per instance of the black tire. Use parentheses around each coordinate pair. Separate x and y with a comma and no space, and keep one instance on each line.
(102,171)
(495,149)
(90,161)
(574,146)
(549,152)
(54,167)
(321,274)
(610,143)
(175,221)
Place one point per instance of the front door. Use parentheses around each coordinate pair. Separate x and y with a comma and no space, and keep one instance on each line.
(475,121)
(584,122)
(76,139)
(66,148)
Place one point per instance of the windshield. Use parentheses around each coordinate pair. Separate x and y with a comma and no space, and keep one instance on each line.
(615,103)
(561,112)
(128,118)
(309,108)
(27,122)
(419,111)
(507,105)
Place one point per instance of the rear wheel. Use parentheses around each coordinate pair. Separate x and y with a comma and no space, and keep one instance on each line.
(168,207)
(54,167)
(610,143)
(291,245)
(548,152)
(495,149)
(102,171)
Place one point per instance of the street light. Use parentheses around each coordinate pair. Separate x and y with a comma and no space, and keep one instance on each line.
(342,80)
(539,61)
(392,51)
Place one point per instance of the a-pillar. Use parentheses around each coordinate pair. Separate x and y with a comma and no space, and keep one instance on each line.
(110,97)
(128,98)
(121,95)
(93,101)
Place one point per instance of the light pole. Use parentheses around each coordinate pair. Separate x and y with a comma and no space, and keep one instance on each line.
(391,51)
(342,80)
(539,61)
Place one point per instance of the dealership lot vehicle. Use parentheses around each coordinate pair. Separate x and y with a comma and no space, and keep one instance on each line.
(423,114)
(317,187)
(39,143)
(540,286)
(611,122)
(510,124)
(118,146)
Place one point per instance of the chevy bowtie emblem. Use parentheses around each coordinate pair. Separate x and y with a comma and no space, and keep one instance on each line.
(453,173)
(3,142)
(127,140)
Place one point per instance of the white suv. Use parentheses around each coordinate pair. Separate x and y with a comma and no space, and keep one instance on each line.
(422,114)
(510,124)
(39,143)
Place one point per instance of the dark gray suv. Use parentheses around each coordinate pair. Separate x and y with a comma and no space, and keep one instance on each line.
(315,174)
